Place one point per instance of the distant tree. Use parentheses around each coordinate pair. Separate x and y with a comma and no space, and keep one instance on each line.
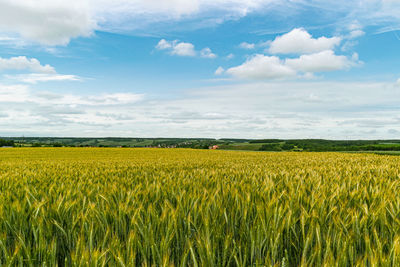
(270,147)
(287,146)
(4,142)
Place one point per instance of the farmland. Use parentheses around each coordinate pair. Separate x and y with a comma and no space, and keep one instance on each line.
(185,207)
(296,145)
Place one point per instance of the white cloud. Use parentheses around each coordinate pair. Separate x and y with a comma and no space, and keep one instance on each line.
(38,77)
(262,67)
(73,100)
(177,48)
(172,8)
(127,15)
(14,93)
(219,71)
(50,22)
(230,56)
(316,55)
(207,53)
(355,34)
(104,99)
(319,62)
(24,63)
(114,99)
(6,39)
(303,110)
(184,49)
(352,31)
(272,67)
(398,82)
(56,22)
(56,113)
(161,10)
(299,41)
(246,45)
(37,71)
(164,44)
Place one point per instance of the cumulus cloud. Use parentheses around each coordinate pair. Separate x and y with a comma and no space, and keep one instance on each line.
(177,48)
(319,62)
(24,63)
(272,67)
(164,44)
(262,67)
(219,71)
(207,53)
(246,45)
(37,71)
(184,49)
(50,22)
(315,55)
(299,41)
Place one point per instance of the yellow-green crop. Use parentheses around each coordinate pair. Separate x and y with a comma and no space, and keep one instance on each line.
(173,207)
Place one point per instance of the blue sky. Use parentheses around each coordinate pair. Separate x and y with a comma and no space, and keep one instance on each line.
(200,68)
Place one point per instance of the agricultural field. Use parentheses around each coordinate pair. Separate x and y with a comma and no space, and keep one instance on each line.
(185,207)
(241,146)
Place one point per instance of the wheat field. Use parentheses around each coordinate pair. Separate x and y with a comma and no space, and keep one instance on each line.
(182,207)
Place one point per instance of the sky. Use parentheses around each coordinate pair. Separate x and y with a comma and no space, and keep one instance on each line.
(200,68)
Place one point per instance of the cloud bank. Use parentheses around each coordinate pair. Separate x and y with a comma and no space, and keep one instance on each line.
(254,110)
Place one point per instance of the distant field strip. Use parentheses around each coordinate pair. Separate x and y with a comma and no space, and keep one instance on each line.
(182,207)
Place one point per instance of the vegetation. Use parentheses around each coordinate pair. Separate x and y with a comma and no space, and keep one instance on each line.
(272,147)
(240,146)
(112,142)
(6,142)
(317,145)
(184,207)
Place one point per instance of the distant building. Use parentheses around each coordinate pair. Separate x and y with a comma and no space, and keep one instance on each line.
(214,147)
